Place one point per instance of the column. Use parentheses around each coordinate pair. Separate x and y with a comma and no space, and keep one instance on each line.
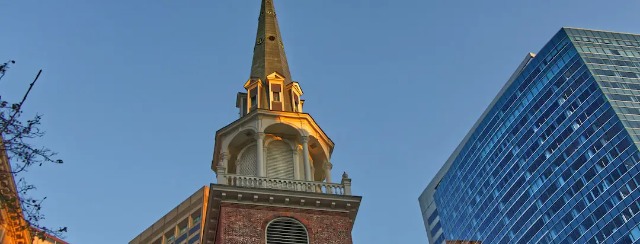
(305,158)
(260,154)
(225,159)
(296,165)
(327,171)
(222,168)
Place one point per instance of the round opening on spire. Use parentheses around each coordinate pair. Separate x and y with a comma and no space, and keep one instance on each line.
(272,38)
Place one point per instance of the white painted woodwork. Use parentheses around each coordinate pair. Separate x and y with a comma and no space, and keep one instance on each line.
(279,160)
(290,185)
(247,161)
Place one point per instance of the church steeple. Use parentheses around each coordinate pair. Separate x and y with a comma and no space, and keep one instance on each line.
(277,157)
(268,53)
(270,85)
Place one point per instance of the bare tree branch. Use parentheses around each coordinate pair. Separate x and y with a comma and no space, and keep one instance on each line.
(4,67)
(16,150)
(19,105)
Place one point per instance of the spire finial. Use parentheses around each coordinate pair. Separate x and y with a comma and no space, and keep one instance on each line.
(268,53)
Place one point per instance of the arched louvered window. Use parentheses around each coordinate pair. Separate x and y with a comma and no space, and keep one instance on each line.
(286,231)
(279,160)
(247,162)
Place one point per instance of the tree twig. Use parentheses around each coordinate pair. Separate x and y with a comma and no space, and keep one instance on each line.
(17,110)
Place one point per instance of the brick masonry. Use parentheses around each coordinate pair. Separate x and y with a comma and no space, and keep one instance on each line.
(246,224)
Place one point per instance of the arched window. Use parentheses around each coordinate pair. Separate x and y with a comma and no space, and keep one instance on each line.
(286,231)
(247,162)
(279,160)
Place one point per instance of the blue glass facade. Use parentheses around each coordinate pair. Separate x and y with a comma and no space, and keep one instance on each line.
(555,158)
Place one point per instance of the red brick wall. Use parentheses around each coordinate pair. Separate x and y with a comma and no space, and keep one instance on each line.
(245,224)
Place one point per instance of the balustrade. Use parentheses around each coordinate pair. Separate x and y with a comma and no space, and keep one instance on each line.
(284,184)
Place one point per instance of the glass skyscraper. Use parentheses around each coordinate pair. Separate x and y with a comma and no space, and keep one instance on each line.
(554,159)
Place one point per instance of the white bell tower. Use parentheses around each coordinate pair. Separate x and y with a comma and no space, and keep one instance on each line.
(273,164)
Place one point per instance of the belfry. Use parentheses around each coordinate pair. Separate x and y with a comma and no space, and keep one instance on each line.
(273,164)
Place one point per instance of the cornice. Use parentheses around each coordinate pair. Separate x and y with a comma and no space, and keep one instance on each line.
(283,198)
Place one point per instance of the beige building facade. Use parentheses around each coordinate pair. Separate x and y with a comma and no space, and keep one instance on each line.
(182,225)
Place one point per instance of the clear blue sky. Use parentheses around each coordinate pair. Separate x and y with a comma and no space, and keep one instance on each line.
(133,92)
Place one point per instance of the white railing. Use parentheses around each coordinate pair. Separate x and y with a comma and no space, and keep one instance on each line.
(283,184)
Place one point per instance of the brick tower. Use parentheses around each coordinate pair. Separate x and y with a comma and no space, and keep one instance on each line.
(273,164)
